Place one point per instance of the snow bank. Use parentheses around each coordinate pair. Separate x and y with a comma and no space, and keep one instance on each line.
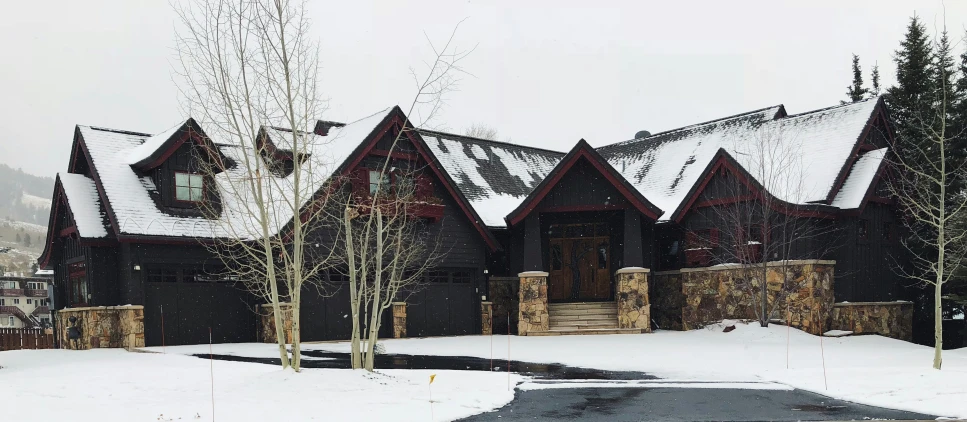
(871,370)
(114,385)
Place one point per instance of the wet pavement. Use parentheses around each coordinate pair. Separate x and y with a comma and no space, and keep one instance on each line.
(682,404)
(614,403)
(323,359)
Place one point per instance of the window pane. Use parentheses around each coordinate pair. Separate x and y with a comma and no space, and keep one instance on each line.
(182,193)
(602,255)
(196,194)
(181,179)
(196,181)
(557,257)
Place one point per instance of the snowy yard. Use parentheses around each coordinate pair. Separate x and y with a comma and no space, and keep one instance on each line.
(870,370)
(117,385)
(114,385)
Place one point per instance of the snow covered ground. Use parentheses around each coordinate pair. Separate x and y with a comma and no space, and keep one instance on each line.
(870,370)
(114,385)
(117,385)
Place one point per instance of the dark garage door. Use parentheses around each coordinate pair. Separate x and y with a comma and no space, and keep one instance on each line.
(444,306)
(325,315)
(184,306)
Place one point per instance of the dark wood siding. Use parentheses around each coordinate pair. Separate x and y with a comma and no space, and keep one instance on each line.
(867,267)
(583,185)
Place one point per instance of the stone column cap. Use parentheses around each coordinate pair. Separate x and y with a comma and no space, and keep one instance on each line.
(486,303)
(101,308)
(533,274)
(632,270)
(399,303)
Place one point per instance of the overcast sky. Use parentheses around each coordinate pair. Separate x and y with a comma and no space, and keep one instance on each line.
(544,73)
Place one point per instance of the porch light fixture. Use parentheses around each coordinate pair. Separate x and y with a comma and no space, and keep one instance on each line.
(137,267)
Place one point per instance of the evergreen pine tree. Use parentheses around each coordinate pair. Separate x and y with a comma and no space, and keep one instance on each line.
(856,92)
(910,100)
(18,237)
(27,240)
(875,77)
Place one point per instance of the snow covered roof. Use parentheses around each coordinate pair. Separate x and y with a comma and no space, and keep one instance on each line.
(85,204)
(860,178)
(152,144)
(494,176)
(665,166)
(136,213)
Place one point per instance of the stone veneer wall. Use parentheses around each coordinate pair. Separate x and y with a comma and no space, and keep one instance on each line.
(890,319)
(103,327)
(267,322)
(634,309)
(532,316)
(730,291)
(486,318)
(667,299)
(399,319)
(504,292)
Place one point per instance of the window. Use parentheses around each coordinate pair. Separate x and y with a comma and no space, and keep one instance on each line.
(77,281)
(2,301)
(603,255)
(378,182)
(10,323)
(16,301)
(887,231)
(162,275)
(30,302)
(862,229)
(189,187)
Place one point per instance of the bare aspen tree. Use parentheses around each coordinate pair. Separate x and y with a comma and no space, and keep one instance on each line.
(386,250)
(763,230)
(246,68)
(481,131)
(933,207)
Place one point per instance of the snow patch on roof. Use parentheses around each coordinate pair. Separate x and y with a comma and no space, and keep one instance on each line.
(152,144)
(861,176)
(494,176)
(665,166)
(85,204)
(137,213)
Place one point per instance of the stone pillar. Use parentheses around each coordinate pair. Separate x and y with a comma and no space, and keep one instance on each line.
(486,318)
(399,319)
(634,310)
(267,317)
(532,313)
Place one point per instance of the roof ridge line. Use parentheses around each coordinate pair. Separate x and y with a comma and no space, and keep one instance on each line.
(488,140)
(818,110)
(694,125)
(121,131)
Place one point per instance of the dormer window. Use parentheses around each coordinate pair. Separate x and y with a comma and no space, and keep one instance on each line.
(189,187)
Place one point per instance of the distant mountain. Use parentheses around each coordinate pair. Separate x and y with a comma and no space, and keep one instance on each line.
(24,197)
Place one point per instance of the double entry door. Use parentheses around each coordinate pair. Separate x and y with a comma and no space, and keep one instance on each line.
(579,261)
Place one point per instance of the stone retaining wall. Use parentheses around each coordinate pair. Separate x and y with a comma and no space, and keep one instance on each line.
(803,288)
(102,327)
(532,316)
(890,319)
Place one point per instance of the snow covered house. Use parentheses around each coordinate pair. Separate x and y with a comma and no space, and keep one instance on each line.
(24,302)
(619,238)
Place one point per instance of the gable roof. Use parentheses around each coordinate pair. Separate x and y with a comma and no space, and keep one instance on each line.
(665,166)
(495,177)
(582,151)
(133,212)
(860,180)
(85,204)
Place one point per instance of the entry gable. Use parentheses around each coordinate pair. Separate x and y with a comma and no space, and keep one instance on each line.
(411,146)
(583,153)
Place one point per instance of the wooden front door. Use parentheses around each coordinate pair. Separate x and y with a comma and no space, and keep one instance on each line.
(579,261)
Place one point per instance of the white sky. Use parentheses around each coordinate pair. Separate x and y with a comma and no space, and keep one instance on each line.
(544,73)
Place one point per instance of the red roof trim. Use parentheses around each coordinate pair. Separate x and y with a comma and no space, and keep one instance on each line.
(581,150)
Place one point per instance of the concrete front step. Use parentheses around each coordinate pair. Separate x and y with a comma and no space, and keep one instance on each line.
(583,317)
(566,327)
(586,332)
(581,305)
(591,311)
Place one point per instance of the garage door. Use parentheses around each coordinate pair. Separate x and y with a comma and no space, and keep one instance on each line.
(182,305)
(325,315)
(444,306)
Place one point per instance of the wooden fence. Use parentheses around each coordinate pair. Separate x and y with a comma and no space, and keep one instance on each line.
(25,338)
